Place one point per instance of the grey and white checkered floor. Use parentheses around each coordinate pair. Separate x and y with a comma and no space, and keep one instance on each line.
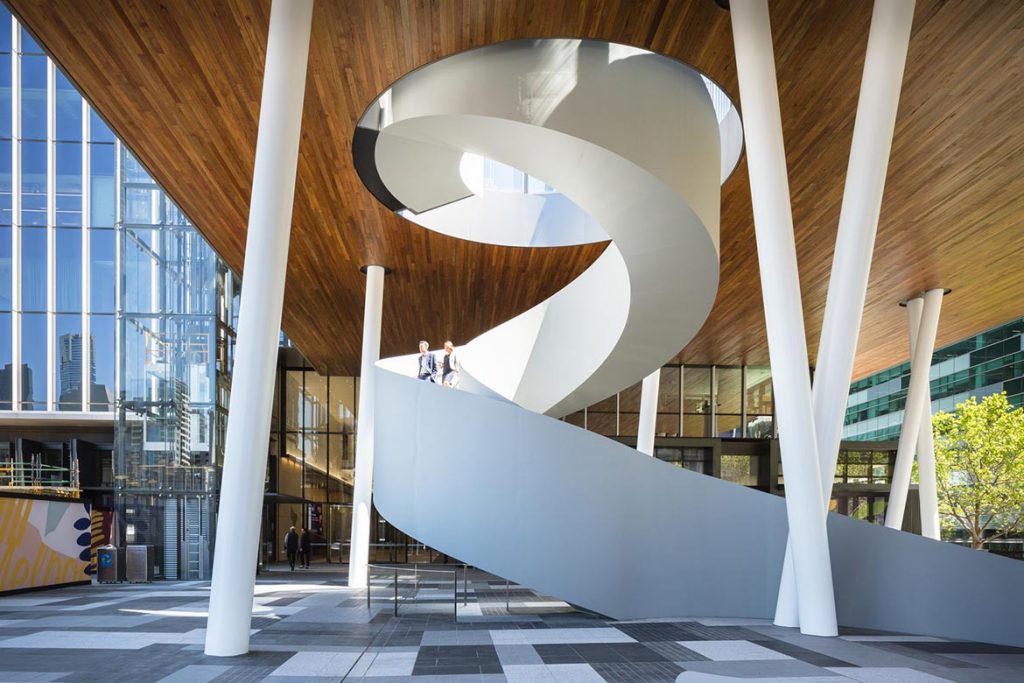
(308,626)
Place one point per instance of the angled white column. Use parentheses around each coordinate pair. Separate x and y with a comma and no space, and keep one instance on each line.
(913,412)
(918,396)
(925,448)
(787,343)
(880,85)
(648,412)
(362,494)
(259,322)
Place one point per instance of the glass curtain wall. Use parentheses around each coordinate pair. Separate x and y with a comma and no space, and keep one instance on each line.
(57,222)
(693,401)
(110,302)
(176,319)
(312,460)
(984,364)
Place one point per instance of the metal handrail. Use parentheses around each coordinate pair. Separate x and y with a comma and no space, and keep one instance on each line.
(416,572)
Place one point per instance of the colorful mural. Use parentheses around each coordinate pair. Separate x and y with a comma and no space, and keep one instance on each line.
(43,543)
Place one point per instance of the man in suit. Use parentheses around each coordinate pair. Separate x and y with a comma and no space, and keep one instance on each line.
(291,546)
(428,364)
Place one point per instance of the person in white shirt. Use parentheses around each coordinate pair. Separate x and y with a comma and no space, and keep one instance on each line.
(450,366)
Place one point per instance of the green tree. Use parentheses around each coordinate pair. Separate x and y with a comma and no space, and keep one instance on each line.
(979,467)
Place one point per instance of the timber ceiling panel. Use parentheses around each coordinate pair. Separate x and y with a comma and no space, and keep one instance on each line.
(180,81)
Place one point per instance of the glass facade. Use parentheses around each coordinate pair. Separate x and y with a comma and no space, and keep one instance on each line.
(987,363)
(175,323)
(57,200)
(112,307)
(312,457)
(718,401)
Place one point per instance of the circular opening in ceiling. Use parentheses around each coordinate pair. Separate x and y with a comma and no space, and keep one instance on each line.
(415,169)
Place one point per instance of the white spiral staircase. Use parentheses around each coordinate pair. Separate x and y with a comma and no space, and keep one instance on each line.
(637,146)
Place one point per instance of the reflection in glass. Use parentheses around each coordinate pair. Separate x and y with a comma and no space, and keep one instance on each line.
(6,360)
(29,44)
(343,458)
(102,283)
(293,397)
(315,407)
(33,269)
(629,399)
(134,172)
(98,129)
(103,191)
(759,426)
(140,266)
(5,268)
(693,459)
(68,200)
(33,183)
(5,85)
(728,426)
(696,390)
(33,359)
(343,404)
(104,359)
(6,183)
(69,269)
(668,390)
(727,390)
(142,205)
(33,97)
(68,355)
(759,391)
(289,474)
(69,109)
(315,479)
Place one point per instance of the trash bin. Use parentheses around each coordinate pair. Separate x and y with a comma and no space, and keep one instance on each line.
(139,562)
(109,564)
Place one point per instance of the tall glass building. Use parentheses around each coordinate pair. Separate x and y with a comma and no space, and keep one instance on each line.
(987,363)
(58,213)
(115,321)
(117,333)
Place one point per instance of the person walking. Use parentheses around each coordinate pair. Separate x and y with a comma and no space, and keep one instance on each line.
(291,546)
(305,547)
(450,367)
(428,364)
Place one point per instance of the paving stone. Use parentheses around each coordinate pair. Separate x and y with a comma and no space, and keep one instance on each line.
(311,627)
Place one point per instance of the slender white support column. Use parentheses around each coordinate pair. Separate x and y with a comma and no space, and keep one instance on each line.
(917,393)
(648,412)
(259,322)
(880,85)
(359,553)
(927,491)
(787,343)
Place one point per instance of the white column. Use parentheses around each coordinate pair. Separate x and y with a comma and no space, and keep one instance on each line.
(880,85)
(787,343)
(920,367)
(259,322)
(917,411)
(362,493)
(648,412)
(925,448)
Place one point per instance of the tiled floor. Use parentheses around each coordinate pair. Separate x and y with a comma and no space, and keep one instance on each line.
(308,626)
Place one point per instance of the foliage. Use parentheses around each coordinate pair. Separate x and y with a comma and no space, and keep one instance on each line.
(979,467)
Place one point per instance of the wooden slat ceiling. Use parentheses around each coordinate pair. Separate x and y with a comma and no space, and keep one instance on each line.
(180,81)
